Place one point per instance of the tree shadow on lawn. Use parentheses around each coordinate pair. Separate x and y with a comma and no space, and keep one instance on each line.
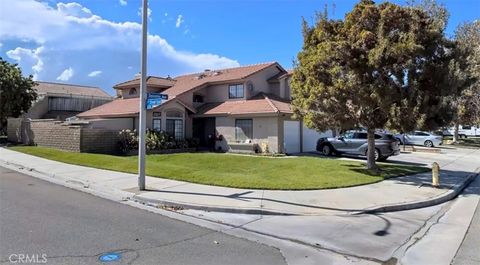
(448,178)
(347,157)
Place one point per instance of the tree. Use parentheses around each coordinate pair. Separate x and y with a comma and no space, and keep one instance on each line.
(16,92)
(465,75)
(382,66)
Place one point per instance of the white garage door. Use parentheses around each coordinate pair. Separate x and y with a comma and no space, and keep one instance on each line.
(310,138)
(291,139)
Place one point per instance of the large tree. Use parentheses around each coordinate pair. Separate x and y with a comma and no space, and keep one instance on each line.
(465,75)
(16,92)
(382,66)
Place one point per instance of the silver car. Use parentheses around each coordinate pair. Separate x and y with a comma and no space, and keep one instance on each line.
(355,143)
(420,138)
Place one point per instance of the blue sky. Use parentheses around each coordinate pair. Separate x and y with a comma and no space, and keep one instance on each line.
(96,42)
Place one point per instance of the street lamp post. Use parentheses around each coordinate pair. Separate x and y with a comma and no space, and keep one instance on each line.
(143,98)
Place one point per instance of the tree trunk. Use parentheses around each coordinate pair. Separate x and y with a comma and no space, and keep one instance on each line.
(455,133)
(371,164)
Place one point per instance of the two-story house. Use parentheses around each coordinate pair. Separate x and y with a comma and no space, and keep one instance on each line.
(242,105)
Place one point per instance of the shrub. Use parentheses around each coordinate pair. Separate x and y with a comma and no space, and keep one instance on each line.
(154,140)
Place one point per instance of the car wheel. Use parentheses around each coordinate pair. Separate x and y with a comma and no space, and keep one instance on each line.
(383,158)
(326,150)
(428,143)
(377,155)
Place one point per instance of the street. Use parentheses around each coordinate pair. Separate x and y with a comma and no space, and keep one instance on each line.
(70,227)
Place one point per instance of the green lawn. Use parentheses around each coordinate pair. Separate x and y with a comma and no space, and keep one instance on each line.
(288,173)
(473,142)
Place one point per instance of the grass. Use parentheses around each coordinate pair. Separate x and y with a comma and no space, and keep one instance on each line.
(289,173)
(466,142)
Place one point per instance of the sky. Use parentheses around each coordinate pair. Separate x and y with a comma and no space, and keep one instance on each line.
(97,42)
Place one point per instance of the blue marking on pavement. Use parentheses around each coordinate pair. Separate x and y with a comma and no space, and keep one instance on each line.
(109,257)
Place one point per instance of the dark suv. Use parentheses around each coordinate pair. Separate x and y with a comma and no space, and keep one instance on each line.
(355,143)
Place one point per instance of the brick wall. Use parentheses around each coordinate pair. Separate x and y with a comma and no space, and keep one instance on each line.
(99,141)
(64,136)
(56,134)
(14,130)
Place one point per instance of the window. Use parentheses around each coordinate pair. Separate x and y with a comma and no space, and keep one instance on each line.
(175,128)
(235,91)
(466,127)
(198,98)
(348,135)
(421,134)
(132,91)
(360,135)
(243,129)
(157,121)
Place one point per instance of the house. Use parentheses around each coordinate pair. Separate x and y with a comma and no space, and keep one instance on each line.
(244,108)
(60,101)
(55,101)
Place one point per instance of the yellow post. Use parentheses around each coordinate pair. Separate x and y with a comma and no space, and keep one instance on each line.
(435,174)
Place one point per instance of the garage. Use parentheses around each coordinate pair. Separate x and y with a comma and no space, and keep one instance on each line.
(298,138)
(291,137)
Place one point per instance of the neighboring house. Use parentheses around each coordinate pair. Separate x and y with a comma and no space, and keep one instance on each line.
(61,101)
(245,108)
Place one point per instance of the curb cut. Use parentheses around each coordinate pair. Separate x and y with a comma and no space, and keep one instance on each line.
(159,203)
(424,203)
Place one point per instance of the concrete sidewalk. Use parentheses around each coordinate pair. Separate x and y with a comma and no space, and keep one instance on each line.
(400,193)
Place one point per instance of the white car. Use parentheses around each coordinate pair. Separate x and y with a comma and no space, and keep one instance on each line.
(420,138)
(464,131)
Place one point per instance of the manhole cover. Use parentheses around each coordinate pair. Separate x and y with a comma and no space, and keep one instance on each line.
(109,257)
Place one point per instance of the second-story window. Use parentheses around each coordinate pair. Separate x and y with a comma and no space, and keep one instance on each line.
(235,91)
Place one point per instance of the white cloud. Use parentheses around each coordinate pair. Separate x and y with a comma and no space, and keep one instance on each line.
(149,13)
(179,22)
(94,73)
(123,2)
(66,74)
(28,58)
(166,14)
(70,35)
(74,9)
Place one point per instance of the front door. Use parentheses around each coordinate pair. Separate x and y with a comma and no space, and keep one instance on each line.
(203,129)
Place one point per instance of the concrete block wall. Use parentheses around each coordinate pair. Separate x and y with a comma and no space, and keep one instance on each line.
(14,130)
(99,141)
(56,134)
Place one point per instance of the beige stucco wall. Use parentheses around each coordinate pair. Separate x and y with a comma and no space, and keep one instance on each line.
(265,130)
(259,81)
(38,108)
(112,124)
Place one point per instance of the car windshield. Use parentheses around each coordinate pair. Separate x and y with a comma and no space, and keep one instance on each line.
(348,135)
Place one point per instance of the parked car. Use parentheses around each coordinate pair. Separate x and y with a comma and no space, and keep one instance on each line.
(463,131)
(420,138)
(355,143)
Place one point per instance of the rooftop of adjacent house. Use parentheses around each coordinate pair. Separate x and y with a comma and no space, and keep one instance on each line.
(69,89)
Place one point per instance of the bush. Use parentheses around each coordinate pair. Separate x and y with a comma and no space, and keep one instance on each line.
(155,140)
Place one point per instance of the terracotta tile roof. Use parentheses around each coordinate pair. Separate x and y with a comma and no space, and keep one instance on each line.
(188,82)
(116,108)
(262,103)
(153,81)
(69,89)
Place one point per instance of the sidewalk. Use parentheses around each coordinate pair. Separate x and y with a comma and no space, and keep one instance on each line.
(395,194)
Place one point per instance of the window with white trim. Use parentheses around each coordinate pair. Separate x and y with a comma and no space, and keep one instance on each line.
(243,129)
(157,121)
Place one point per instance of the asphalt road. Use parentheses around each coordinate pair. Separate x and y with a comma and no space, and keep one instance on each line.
(69,227)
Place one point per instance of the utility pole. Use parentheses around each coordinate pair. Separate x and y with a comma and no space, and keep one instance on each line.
(143,98)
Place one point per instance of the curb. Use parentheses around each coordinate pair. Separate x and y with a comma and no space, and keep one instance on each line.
(117,194)
(424,203)
(159,203)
